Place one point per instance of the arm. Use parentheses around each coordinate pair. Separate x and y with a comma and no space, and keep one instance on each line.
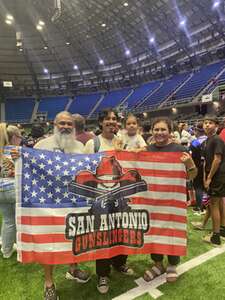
(191,169)
(215,165)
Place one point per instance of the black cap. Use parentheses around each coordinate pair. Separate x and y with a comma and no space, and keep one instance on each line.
(211,118)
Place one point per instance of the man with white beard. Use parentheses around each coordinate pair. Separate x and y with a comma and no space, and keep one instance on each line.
(62,140)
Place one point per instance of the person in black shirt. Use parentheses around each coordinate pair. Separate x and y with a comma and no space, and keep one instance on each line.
(214,178)
(161,130)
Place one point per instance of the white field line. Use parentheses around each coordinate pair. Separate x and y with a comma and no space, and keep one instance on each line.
(151,287)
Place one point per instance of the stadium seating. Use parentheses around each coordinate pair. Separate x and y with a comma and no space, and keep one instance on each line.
(19,109)
(53,105)
(141,92)
(165,90)
(198,81)
(112,99)
(83,104)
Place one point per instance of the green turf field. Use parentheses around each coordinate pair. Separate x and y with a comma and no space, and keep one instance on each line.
(25,282)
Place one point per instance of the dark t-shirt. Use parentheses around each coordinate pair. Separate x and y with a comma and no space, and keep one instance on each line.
(214,145)
(172,147)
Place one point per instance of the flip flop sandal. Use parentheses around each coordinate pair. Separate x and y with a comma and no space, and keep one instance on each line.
(171,274)
(154,272)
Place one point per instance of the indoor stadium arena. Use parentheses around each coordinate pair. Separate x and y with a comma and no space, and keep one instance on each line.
(112,149)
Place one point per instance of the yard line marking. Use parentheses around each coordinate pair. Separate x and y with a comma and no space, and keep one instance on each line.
(151,287)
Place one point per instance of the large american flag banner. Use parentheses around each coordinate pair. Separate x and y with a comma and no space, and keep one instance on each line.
(73,208)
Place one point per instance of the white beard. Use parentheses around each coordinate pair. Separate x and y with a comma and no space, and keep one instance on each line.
(65,141)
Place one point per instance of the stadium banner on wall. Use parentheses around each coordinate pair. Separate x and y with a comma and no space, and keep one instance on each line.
(73,208)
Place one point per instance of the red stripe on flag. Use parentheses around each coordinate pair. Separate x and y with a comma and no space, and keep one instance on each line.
(43,238)
(167,188)
(167,232)
(160,173)
(162,157)
(159,202)
(66,257)
(168,217)
(38,221)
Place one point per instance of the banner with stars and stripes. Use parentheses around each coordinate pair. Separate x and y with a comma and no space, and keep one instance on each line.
(73,208)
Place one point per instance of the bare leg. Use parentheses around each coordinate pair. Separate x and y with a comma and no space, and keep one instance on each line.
(48,269)
(222,212)
(206,217)
(215,212)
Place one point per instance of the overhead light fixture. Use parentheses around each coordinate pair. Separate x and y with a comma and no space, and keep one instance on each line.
(9,22)
(67,43)
(103,25)
(21,49)
(75,67)
(42,23)
(45,47)
(216,4)
(101,62)
(152,40)
(127,52)
(39,27)
(125,4)
(183,22)
(9,17)
(45,71)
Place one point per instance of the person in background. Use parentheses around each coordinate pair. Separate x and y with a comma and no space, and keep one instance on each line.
(214,178)
(81,135)
(9,135)
(222,132)
(196,149)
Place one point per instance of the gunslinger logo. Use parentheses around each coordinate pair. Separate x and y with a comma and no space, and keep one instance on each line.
(110,221)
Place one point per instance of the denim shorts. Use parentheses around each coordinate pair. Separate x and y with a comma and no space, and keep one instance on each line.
(8,196)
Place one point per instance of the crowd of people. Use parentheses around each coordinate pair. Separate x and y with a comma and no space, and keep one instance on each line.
(202,150)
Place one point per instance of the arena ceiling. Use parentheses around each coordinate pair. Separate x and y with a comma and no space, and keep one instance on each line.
(65,46)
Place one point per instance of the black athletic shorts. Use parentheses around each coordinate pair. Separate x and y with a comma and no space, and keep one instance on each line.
(217,187)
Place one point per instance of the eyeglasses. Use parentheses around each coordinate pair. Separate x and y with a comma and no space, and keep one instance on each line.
(63,123)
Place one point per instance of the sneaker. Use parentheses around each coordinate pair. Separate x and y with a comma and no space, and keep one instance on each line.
(213,239)
(50,293)
(103,285)
(195,209)
(222,233)
(9,254)
(80,276)
(124,269)
(197,225)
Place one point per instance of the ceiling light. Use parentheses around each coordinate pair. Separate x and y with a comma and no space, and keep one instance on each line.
(103,24)
(182,22)
(101,62)
(216,4)
(45,47)
(9,22)
(9,17)
(152,40)
(68,43)
(75,67)
(45,71)
(41,23)
(127,52)
(39,27)
(125,4)
(21,49)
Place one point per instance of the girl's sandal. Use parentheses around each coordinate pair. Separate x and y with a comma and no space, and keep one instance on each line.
(171,274)
(154,272)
